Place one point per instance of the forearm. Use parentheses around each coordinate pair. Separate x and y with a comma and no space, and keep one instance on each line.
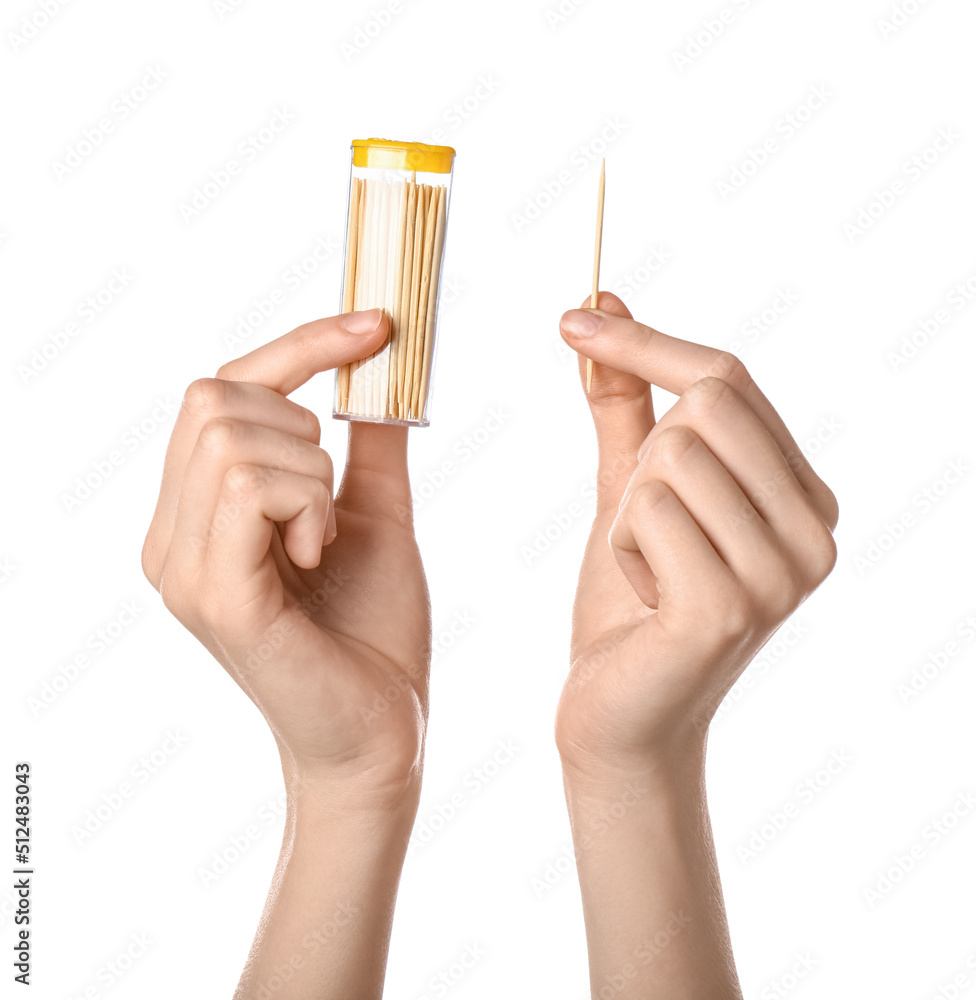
(652,898)
(326,926)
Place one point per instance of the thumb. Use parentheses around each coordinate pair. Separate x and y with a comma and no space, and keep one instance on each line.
(376,481)
(620,403)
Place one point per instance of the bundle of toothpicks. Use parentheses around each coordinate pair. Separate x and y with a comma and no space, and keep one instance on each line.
(393,257)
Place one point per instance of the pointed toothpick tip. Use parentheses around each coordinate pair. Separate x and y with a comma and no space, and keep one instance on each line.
(597,250)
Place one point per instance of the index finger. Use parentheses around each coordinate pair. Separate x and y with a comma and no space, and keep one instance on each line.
(323,344)
(281,366)
(675,365)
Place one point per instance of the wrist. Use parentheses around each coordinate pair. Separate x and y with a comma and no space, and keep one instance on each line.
(327,794)
(664,770)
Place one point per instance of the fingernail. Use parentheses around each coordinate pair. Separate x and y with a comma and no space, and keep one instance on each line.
(364,321)
(581,323)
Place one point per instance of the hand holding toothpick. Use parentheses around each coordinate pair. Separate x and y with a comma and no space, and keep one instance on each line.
(595,294)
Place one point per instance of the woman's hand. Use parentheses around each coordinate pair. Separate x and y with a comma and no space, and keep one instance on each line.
(318,608)
(711,528)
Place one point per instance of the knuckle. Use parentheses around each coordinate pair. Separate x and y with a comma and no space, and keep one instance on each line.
(645,447)
(831,509)
(733,613)
(707,395)
(649,497)
(313,427)
(823,554)
(243,480)
(211,610)
(672,444)
(320,493)
(150,561)
(203,396)
(328,467)
(217,435)
(783,589)
(727,367)
(173,595)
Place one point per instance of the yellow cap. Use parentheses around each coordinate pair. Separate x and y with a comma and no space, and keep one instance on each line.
(388,154)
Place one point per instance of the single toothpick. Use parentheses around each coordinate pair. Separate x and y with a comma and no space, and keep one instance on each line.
(595,294)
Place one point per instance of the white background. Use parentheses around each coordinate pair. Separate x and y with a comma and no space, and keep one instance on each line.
(887,432)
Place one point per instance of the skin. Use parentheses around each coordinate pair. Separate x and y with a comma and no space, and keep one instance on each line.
(319,610)
(710,530)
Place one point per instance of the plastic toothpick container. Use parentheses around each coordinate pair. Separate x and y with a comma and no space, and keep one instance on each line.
(396,222)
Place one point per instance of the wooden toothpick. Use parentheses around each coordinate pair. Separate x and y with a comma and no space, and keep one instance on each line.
(595,294)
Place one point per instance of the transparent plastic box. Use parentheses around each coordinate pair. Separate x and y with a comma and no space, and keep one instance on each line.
(396,222)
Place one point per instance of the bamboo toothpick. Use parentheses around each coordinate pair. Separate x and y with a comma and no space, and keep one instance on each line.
(595,294)
(393,258)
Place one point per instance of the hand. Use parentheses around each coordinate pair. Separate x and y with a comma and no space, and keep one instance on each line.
(711,528)
(317,608)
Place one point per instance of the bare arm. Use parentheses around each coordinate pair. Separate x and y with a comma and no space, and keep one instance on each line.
(317,608)
(711,528)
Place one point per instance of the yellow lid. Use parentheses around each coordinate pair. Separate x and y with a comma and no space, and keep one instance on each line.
(388,154)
